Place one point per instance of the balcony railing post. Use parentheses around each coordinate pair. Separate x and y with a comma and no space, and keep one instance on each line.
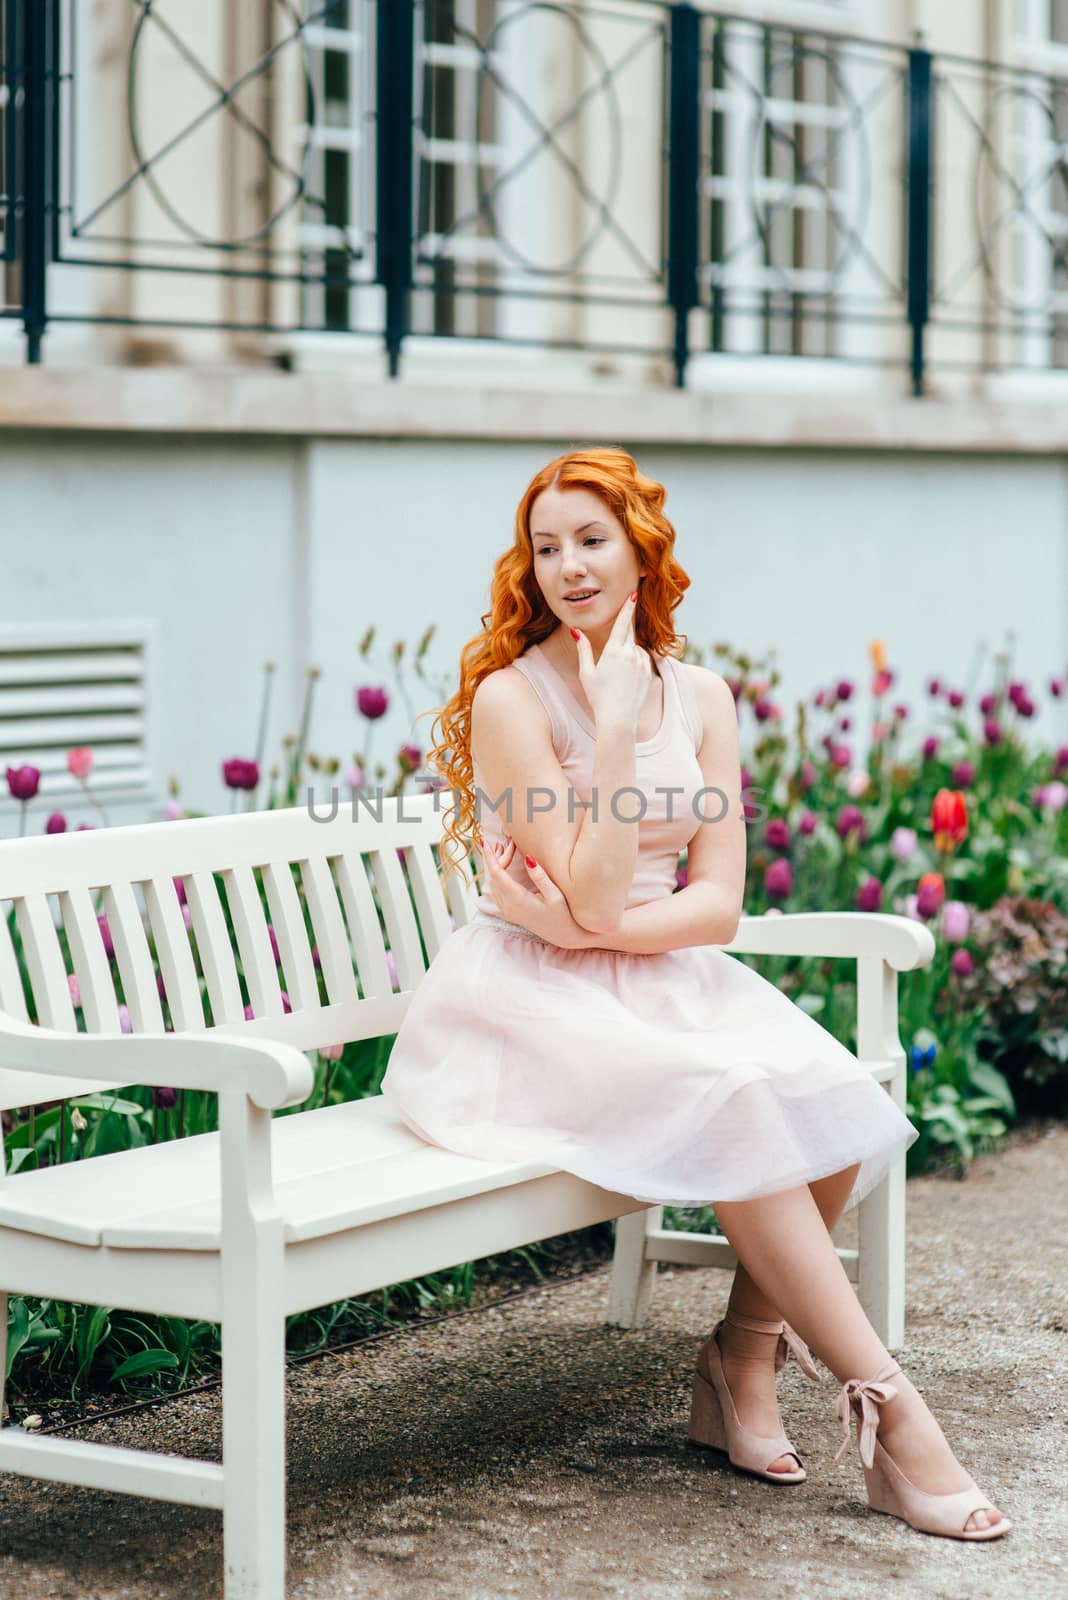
(36,18)
(684,175)
(395,67)
(918,192)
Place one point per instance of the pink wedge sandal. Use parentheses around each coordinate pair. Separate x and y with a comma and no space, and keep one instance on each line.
(714,1423)
(888,1488)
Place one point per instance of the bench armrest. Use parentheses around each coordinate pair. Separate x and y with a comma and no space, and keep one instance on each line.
(899,941)
(269,1073)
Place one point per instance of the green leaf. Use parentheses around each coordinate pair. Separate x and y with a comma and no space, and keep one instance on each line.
(985,1076)
(812,1003)
(145,1361)
(110,1102)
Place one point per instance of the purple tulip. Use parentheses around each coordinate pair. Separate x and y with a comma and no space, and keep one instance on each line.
(807,824)
(409,756)
(1056,687)
(903,844)
(963,775)
(956,920)
(161,987)
(316,958)
(992,731)
(955,698)
(1017,691)
(392,967)
(850,820)
(23,782)
(240,774)
(928,900)
(930,747)
(777,834)
(762,709)
(747,779)
(869,895)
(988,705)
(841,756)
(165,1099)
(57,823)
(779,879)
(819,698)
(808,776)
(85,827)
(843,689)
(372,703)
(105,934)
(962,964)
(682,877)
(274,945)
(125,1021)
(250,1015)
(1025,707)
(179,889)
(1060,761)
(286,1006)
(934,688)
(172,811)
(1051,796)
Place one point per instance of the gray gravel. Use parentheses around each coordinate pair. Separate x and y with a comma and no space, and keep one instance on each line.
(529,1450)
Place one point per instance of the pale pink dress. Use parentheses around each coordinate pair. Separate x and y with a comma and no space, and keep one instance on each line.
(683,1078)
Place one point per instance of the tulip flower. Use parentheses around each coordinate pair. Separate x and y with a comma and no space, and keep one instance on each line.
(956,920)
(934,688)
(409,756)
(1056,687)
(808,776)
(844,725)
(992,731)
(962,965)
(807,824)
(57,823)
(1060,761)
(240,774)
(988,705)
(105,934)
(869,895)
(949,819)
(1051,796)
(80,763)
(331,1052)
(963,775)
(372,703)
(777,834)
(172,811)
(930,747)
(850,820)
(841,756)
(682,877)
(903,844)
(879,731)
(858,783)
(392,966)
(843,689)
(930,893)
(955,698)
(165,1099)
(23,782)
(778,879)
(881,683)
(762,709)
(125,1021)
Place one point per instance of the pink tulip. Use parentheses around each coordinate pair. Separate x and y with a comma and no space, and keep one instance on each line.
(850,820)
(841,756)
(1052,796)
(105,934)
(955,698)
(172,811)
(57,823)
(682,877)
(962,964)
(779,879)
(858,783)
(992,731)
(808,776)
(23,782)
(807,824)
(934,688)
(956,920)
(930,747)
(372,703)
(354,777)
(903,844)
(124,1019)
(1060,761)
(240,774)
(843,689)
(988,704)
(80,762)
(777,834)
(963,775)
(331,1052)
(75,990)
(392,965)
(869,895)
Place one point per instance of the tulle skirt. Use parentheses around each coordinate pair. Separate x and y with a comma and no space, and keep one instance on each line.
(681,1078)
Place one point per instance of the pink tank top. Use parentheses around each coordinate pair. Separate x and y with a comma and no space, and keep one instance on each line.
(667,774)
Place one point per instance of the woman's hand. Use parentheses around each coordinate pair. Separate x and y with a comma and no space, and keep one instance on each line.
(544,912)
(618,683)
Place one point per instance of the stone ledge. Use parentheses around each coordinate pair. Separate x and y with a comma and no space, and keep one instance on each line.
(328,406)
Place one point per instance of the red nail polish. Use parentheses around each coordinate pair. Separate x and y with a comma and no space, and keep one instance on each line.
(574,633)
(530,861)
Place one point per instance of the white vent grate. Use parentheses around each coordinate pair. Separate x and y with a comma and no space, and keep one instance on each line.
(62,686)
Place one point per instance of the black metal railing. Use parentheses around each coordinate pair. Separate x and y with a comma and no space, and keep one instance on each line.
(627,176)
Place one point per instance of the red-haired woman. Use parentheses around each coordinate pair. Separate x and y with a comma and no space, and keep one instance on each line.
(586,1017)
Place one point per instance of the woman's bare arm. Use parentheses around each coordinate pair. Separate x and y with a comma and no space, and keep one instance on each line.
(590,858)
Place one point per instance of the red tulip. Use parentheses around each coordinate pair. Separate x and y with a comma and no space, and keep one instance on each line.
(949,819)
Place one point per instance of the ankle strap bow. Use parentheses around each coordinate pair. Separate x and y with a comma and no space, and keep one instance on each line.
(868,1394)
(797,1347)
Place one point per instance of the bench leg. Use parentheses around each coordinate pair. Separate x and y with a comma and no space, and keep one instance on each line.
(254,1457)
(881,1267)
(630,1289)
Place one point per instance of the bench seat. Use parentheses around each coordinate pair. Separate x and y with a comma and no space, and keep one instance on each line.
(336,1168)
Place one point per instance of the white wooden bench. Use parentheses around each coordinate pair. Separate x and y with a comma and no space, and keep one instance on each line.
(276,1215)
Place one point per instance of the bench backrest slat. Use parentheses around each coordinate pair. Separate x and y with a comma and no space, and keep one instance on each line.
(349,885)
(96,988)
(176,965)
(44,964)
(133,958)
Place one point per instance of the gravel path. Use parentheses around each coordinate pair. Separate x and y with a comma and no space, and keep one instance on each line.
(529,1450)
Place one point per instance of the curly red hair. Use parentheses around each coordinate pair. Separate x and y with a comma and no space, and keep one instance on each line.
(519,617)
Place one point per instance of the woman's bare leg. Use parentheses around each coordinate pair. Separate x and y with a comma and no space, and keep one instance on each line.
(788,1253)
(748,1357)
